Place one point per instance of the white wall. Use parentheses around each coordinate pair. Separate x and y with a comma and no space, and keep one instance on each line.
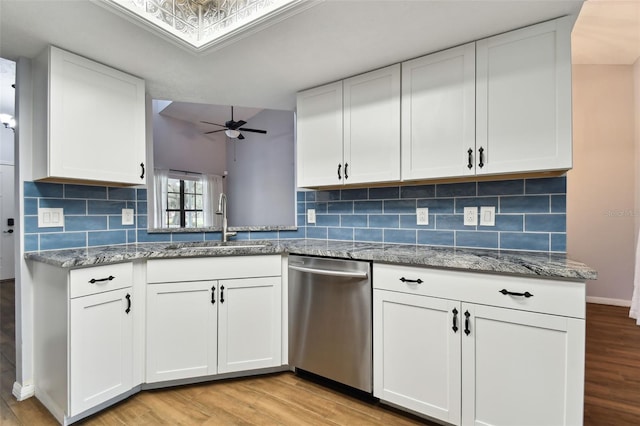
(636,102)
(601,187)
(7,106)
(261,168)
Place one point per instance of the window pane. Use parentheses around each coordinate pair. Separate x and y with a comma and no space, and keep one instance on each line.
(173,201)
(198,201)
(189,186)
(191,220)
(173,219)
(200,219)
(198,187)
(189,202)
(173,185)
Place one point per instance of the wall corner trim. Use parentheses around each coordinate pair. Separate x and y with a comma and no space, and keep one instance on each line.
(22,392)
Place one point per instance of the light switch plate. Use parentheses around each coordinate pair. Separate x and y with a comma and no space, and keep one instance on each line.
(311,215)
(50,217)
(422,216)
(470,216)
(127,216)
(488,216)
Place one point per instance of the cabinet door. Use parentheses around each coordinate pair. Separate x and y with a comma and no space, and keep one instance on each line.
(319,136)
(416,353)
(249,318)
(522,368)
(101,348)
(181,330)
(372,126)
(438,114)
(96,121)
(524,99)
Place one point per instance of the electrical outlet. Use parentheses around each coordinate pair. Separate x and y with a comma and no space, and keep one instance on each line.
(422,216)
(470,216)
(311,216)
(50,217)
(127,216)
(488,216)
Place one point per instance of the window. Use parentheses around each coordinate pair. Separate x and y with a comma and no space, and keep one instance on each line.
(184,203)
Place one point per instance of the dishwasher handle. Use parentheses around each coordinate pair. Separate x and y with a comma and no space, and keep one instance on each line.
(331,272)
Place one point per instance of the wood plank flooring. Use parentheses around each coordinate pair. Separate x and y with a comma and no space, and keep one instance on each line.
(612,389)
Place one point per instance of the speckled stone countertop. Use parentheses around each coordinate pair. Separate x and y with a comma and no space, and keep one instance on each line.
(533,264)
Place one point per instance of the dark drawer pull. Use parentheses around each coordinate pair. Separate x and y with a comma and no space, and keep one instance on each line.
(511,293)
(93,280)
(455,320)
(405,280)
(128,296)
(467,331)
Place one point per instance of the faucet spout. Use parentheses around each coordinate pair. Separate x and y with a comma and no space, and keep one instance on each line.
(222,210)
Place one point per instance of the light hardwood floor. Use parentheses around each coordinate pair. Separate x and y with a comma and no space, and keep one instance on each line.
(612,389)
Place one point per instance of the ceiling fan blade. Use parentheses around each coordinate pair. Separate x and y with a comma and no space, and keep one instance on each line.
(240,136)
(215,124)
(214,131)
(244,129)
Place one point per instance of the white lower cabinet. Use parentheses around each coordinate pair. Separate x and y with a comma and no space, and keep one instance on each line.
(101,348)
(84,326)
(509,359)
(213,326)
(416,355)
(181,330)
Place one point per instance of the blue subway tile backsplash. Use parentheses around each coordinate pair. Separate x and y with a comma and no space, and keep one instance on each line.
(530,215)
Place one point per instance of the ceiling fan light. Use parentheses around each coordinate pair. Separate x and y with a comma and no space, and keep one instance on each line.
(232,133)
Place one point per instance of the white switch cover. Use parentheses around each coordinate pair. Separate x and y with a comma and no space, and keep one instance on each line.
(311,216)
(127,216)
(488,216)
(470,216)
(50,218)
(422,214)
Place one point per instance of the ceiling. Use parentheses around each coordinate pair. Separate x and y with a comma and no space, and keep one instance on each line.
(333,39)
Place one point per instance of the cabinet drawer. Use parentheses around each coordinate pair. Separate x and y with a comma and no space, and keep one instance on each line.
(557,297)
(97,279)
(212,268)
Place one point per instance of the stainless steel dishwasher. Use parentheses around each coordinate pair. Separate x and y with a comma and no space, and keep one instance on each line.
(330,319)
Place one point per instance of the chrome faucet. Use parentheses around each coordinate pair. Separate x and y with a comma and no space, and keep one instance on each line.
(222,210)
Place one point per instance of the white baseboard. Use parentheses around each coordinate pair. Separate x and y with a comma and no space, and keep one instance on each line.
(22,392)
(608,301)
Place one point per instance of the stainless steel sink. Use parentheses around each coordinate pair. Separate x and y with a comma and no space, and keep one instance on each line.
(218,245)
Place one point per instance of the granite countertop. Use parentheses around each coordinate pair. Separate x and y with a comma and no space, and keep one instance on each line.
(532,264)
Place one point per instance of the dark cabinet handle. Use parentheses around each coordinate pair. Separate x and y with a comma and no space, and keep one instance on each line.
(455,320)
(10,231)
(470,163)
(142,166)
(94,280)
(221,294)
(213,295)
(346,167)
(481,152)
(406,280)
(511,293)
(128,296)
(339,168)
(466,323)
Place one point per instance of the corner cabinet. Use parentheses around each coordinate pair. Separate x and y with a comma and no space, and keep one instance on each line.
(208,316)
(84,327)
(348,132)
(479,349)
(87,116)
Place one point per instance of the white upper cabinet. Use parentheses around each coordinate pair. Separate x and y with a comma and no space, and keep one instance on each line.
(89,121)
(348,132)
(372,126)
(319,136)
(523,99)
(438,114)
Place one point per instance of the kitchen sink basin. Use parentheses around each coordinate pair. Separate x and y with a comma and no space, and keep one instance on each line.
(218,245)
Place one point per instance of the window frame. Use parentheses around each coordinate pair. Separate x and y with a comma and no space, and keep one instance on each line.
(182,210)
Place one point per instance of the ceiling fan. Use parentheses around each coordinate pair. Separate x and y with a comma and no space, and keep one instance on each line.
(232,128)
